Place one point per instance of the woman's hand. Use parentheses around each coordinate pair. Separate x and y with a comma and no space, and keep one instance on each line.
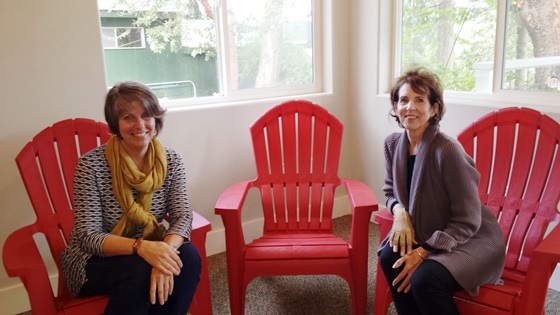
(411,261)
(161,256)
(161,286)
(401,236)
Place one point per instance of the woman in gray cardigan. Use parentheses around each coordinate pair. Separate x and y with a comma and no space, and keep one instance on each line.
(443,239)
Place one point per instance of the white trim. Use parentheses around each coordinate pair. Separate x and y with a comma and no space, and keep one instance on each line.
(499,48)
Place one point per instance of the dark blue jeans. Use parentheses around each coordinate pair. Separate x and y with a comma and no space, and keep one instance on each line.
(432,287)
(126,279)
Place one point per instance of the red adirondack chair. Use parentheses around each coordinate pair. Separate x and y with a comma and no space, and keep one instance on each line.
(297,148)
(47,166)
(517,155)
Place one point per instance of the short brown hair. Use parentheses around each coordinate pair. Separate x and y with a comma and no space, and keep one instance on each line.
(423,81)
(122,95)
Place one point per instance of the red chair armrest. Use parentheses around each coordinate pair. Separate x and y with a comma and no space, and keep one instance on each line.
(360,195)
(363,202)
(22,259)
(549,248)
(202,303)
(20,254)
(233,197)
(200,223)
(385,221)
(229,206)
(544,260)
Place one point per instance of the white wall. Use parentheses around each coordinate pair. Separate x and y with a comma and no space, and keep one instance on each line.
(51,68)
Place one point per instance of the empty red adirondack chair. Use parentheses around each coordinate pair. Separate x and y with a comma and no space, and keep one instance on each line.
(47,165)
(297,148)
(517,155)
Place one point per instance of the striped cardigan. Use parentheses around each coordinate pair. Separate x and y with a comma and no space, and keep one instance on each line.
(96,211)
(444,206)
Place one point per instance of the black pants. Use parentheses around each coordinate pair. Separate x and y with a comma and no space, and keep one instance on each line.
(432,287)
(126,279)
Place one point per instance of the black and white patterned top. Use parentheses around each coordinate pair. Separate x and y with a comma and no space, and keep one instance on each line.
(97,211)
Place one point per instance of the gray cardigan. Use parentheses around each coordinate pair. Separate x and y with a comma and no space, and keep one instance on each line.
(444,206)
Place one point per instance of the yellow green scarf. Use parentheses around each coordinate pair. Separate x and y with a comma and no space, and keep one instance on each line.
(127,176)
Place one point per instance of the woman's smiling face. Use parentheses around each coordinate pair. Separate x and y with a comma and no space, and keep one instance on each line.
(136,128)
(414,110)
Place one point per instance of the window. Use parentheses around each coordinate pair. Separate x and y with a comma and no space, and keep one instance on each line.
(190,49)
(122,37)
(467,41)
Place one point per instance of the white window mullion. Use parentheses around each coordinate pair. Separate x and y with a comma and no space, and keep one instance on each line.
(317,44)
(499,50)
(222,43)
(397,40)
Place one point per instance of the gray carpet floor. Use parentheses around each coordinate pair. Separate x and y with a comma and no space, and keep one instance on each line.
(308,295)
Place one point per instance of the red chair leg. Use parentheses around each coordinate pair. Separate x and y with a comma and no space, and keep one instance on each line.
(202,302)
(382,295)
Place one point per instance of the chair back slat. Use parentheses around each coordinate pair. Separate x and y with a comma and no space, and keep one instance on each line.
(297,151)
(516,154)
(65,141)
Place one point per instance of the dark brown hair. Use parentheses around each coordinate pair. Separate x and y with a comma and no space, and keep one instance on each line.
(121,96)
(422,81)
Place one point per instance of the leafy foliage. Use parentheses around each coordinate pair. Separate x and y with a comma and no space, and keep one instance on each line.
(456,38)
(469,29)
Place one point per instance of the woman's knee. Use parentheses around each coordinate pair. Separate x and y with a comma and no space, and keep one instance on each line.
(387,258)
(138,271)
(432,276)
(190,257)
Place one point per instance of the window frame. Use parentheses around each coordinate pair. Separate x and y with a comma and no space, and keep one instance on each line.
(115,28)
(389,66)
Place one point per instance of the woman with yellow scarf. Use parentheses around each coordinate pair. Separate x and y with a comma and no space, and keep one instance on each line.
(122,192)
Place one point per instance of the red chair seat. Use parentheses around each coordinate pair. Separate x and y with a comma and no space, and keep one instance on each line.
(81,306)
(501,297)
(297,246)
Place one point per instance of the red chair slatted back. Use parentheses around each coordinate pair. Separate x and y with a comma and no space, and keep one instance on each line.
(523,189)
(47,166)
(297,151)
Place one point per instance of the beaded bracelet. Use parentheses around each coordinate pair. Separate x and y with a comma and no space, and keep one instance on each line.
(136,245)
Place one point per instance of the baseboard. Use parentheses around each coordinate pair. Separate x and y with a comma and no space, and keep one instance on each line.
(555,279)
(14,300)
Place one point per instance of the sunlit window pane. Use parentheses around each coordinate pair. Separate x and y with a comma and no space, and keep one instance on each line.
(271,44)
(122,37)
(532,46)
(454,38)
